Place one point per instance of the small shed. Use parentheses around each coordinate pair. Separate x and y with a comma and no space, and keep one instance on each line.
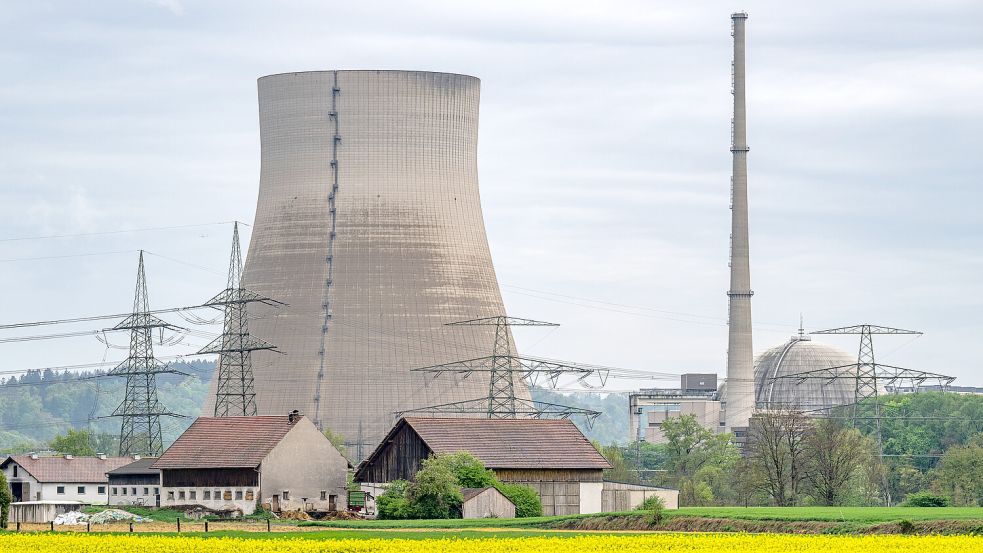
(486,503)
(41,511)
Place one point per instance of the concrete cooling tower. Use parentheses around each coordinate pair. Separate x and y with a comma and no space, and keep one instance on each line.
(369,228)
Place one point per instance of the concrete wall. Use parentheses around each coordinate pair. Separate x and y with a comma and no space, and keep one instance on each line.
(590,497)
(305,464)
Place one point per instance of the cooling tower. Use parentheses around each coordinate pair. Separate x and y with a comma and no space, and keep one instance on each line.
(369,228)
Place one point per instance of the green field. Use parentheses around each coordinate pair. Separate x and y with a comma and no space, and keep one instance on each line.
(859,515)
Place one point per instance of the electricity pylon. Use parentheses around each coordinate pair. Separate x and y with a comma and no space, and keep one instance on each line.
(140,410)
(503,367)
(235,395)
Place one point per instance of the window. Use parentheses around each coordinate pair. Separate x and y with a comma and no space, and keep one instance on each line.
(101,490)
(193,494)
(61,489)
(15,471)
(114,491)
(146,491)
(156,491)
(81,490)
(239,495)
(133,491)
(207,495)
(286,495)
(124,490)
(216,495)
(180,494)
(324,495)
(170,496)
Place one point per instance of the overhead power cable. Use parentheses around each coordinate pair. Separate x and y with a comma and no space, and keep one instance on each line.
(118,231)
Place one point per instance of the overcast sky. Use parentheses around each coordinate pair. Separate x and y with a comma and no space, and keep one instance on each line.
(603,158)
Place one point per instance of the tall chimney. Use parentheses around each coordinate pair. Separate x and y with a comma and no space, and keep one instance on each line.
(740,360)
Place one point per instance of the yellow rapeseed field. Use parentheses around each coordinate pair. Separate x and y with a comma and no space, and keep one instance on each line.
(709,543)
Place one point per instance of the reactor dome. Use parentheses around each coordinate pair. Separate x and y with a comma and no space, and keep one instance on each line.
(801,354)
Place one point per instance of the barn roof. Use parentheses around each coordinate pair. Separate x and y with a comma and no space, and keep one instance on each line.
(505,443)
(68,469)
(225,442)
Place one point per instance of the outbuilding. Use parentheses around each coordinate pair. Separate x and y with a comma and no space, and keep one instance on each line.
(60,479)
(234,463)
(486,503)
(135,483)
(551,456)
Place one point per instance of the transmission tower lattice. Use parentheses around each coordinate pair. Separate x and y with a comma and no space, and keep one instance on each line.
(140,410)
(235,395)
(503,367)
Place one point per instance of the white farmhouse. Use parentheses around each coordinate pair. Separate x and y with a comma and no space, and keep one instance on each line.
(63,478)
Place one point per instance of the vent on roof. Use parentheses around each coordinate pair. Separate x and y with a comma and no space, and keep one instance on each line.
(68,456)
(294,416)
(137,457)
(34,455)
(101,456)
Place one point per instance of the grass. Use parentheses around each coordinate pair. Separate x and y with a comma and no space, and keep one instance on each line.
(837,514)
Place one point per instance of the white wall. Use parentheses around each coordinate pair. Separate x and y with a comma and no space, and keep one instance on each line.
(305,464)
(49,491)
(590,497)
(116,496)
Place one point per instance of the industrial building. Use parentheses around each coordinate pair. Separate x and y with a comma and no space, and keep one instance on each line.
(697,395)
(233,463)
(798,355)
(369,228)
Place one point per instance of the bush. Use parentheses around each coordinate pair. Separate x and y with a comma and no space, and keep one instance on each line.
(468,470)
(6,496)
(655,507)
(435,493)
(527,503)
(924,499)
(906,527)
(392,504)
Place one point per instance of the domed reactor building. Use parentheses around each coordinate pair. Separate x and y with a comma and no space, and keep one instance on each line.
(369,228)
(801,354)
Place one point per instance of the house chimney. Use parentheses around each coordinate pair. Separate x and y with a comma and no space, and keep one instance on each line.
(69,456)
(293,416)
(34,455)
(101,456)
(136,457)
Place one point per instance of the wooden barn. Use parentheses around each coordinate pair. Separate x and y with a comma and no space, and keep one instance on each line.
(234,463)
(551,456)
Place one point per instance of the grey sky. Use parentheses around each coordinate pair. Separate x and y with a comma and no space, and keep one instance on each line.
(604,162)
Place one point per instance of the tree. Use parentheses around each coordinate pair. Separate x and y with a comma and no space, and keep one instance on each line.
(74,442)
(337,440)
(775,446)
(960,473)
(392,504)
(467,469)
(833,454)
(697,458)
(435,493)
(527,502)
(6,496)
(621,470)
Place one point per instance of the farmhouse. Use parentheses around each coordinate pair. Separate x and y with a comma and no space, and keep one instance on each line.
(60,479)
(551,456)
(135,483)
(233,463)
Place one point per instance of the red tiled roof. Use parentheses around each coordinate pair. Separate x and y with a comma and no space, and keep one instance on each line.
(76,469)
(511,443)
(225,442)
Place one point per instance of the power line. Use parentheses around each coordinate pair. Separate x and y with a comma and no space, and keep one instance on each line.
(10,260)
(119,231)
